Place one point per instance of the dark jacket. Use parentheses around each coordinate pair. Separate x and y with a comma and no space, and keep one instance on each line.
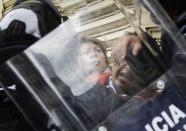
(14,40)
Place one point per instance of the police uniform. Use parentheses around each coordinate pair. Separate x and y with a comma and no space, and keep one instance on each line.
(20,28)
(24,25)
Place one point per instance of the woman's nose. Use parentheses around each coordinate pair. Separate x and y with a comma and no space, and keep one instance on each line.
(93,53)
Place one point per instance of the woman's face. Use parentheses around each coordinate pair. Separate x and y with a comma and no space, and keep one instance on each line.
(92,58)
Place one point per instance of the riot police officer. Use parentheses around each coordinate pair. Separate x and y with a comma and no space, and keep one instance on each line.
(27,22)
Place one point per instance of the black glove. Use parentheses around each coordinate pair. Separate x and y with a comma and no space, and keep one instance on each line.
(13,32)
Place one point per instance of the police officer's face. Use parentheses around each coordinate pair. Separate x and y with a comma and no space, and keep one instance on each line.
(122,76)
(92,58)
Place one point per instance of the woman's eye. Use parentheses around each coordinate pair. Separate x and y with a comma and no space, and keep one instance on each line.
(98,49)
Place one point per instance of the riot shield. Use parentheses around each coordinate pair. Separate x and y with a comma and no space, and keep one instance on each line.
(152,108)
(102,70)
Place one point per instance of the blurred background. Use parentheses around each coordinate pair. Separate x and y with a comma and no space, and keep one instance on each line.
(103,19)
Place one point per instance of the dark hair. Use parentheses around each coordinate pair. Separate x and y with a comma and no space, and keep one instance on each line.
(101,44)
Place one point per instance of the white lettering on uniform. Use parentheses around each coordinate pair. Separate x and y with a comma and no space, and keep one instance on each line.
(176,113)
(148,127)
(157,124)
(184,127)
(167,119)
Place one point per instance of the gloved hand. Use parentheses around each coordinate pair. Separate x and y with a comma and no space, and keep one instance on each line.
(119,49)
(14,31)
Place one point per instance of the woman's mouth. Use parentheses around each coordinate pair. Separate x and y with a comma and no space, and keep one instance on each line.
(95,62)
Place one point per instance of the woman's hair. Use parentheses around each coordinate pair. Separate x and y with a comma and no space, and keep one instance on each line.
(101,44)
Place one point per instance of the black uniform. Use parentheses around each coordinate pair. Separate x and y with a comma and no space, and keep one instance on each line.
(13,40)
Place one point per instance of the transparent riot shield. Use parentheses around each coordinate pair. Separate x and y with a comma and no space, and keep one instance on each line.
(160,106)
(104,69)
